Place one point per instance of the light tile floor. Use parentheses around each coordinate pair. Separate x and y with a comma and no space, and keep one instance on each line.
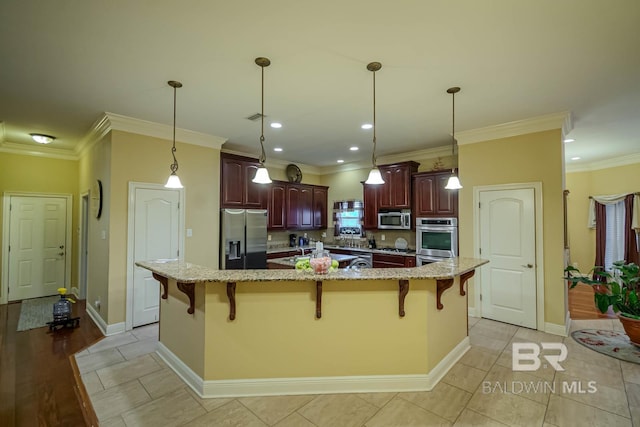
(129,385)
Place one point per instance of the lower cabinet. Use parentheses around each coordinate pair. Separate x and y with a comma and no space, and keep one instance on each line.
(393,261)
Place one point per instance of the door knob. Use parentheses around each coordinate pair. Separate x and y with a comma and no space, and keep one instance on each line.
(61,246)
(61,253)
(528,266)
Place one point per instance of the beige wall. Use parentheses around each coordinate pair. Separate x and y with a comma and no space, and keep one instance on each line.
(535,157)
(31,174)
(94,165)
(146,159)
(616,180)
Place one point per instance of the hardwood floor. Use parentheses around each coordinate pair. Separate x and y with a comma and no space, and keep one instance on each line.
(37,383)
(582,306)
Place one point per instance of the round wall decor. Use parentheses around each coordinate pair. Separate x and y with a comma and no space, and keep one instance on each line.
(96,198)
(293,173)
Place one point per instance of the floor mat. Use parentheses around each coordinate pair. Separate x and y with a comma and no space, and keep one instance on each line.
(36,312)
(611,343)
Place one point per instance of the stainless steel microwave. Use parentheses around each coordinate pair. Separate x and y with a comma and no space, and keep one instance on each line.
(394,220)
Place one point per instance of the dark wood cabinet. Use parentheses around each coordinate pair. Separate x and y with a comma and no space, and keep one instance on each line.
(430,198)
(276,207)
(395,193)
(393,261)
(293,206)
(320,201)
(236,187)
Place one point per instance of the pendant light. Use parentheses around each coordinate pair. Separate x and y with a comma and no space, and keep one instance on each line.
(174,181)
(453,183)
(262,174)
(375,177)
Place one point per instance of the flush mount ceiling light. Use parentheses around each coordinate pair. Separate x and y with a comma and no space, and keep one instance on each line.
(374,176)
(453,183)
(41,138)
(174,180)
(262,174)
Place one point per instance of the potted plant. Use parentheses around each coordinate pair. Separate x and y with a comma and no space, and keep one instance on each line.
(620,289)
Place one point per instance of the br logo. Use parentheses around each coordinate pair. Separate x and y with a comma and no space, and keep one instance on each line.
(526,355)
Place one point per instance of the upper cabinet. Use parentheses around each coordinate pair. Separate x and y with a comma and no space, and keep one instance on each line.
(295,206)
(395,193)
(430,198)
(236,187)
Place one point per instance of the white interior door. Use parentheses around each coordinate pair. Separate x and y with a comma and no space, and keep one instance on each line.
(156,236)
(508,241)
(37,246)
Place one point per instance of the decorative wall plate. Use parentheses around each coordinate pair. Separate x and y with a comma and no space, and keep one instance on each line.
(293,173)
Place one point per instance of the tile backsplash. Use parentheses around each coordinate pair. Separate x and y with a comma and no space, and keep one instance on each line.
(280,239)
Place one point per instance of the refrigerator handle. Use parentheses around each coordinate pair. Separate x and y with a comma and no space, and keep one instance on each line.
(234,249)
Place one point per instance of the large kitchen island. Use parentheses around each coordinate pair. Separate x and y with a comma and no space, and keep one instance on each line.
(272,332)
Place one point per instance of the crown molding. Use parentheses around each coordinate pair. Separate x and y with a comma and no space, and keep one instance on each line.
(25,150)
(158,130)
(98,130)
(630,159)
(560,120)
(282,164)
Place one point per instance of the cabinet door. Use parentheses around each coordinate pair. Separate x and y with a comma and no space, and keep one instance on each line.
(370,199)
(447,201)
(395,193)
(424,192)
(320,207)
(253,193)
(384,190)
(305,207)
(276,211)
(232,183)
(388,261)
(409,261)
(292,203)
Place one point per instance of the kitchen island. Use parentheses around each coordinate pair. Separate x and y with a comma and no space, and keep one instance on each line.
(276,332)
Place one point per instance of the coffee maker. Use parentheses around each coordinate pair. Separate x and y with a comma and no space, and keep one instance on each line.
(293,240)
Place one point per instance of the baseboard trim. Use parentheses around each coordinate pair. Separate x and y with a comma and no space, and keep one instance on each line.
(555,329)
(312,385)
(106,329)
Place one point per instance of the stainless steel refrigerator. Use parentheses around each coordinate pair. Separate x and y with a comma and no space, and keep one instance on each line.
(243,239)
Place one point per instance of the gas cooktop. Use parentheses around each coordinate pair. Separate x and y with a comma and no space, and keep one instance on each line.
(404,251)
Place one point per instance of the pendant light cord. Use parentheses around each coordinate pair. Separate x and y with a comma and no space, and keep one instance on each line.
(263,156)
(174,165)
(453,127)
(373,154)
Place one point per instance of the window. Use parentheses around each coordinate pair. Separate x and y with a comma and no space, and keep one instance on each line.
(614,244)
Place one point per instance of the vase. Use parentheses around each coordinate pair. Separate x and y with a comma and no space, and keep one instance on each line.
(631,328)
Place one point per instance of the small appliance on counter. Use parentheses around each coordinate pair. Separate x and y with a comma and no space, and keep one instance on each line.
(293,240)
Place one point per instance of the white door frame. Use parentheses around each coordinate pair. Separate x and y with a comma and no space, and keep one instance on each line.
(6,225)
(133,186)
(537,190)
(83,244)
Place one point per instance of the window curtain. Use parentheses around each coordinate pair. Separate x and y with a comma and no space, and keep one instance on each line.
(630,230)
(600,218)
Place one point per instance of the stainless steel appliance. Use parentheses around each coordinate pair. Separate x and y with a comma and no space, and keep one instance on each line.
(436,239)
(243,239)
(394,219)
(364,260)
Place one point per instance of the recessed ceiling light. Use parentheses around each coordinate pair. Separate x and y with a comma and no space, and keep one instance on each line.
(567,140)
(576,158)
(366,126)
(340,161)
(354,148)
(277,149)
(276,125)
(41,138)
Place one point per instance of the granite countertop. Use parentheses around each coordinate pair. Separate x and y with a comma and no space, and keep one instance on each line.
(330,247)
(291,261)
(191,273)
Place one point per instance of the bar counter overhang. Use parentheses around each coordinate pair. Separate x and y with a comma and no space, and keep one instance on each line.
(277,332)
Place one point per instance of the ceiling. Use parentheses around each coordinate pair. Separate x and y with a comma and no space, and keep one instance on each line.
(64,63)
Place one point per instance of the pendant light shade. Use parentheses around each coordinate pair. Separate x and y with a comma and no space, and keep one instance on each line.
(375,177)
(262,174)
(453,183)
(174,180)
